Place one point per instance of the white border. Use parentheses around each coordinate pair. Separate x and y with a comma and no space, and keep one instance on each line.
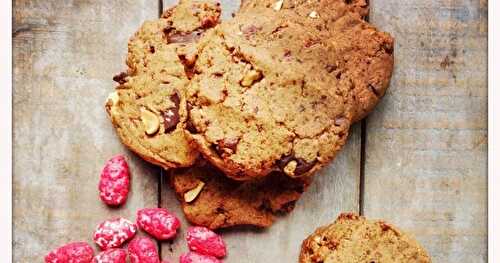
(493,132)
(6,130)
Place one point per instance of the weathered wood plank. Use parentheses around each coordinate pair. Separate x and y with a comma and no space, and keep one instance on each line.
(426,145)
(335,190)
(65,54)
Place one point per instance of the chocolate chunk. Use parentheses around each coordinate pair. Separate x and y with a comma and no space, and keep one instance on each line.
(171,118)
(190,127)
(175,99)
(284,161)
(168,30)
(189,123)
(184,37)
(121,78)
(288,53)
(210,21)
(303,166)
(187,60)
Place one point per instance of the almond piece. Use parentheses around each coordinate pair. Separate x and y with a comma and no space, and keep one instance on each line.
(150,121)
(250,78)
(190,195)
(112,101)
(277,6)
(313,14)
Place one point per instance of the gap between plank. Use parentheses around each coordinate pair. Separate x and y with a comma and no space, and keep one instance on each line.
(362,162)
(362,168)
(160,8)
(162,171)
(160,186)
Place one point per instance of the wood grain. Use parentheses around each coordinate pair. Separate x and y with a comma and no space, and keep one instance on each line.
(426,144)
(334,190)
(65,55)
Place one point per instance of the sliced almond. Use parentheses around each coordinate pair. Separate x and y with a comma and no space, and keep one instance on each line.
(111,102)
(190,195)
(250,78)
(313,14)
(277,6)
(150,121)
(113,98)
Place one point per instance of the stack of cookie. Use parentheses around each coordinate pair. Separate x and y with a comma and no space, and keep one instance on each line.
(243,112)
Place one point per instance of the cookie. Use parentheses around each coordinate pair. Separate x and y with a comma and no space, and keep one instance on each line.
(370,77)
(352,238)
(305,7)
(221,202)
(148,108)
(278,93)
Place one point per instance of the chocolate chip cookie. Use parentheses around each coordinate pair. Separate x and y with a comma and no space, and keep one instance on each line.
(211,199)
(371,80)
(352,238)
(278,93)
(148,108)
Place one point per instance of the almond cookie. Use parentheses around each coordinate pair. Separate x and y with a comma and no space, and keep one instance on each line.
(305,7)
(278,93)
(212,200)
(370,73)
(354,239)
(148,108)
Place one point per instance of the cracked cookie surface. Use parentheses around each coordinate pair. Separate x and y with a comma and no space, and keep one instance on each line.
(279,92)
(354,239)
(222,202)
(148,108)
(369,70)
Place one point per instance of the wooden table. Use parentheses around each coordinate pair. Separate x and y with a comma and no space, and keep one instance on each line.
(418,161)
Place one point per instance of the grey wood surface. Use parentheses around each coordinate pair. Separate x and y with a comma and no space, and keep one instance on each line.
(426,144)
(419,160)
(65,55)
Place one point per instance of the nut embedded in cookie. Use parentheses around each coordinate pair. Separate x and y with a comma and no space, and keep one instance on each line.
(224,202)
(148,108)
(352,238)
(284,85)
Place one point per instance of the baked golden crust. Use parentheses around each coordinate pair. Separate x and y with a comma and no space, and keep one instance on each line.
(354,239)
(222,202)
(279,90)
(148,108)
